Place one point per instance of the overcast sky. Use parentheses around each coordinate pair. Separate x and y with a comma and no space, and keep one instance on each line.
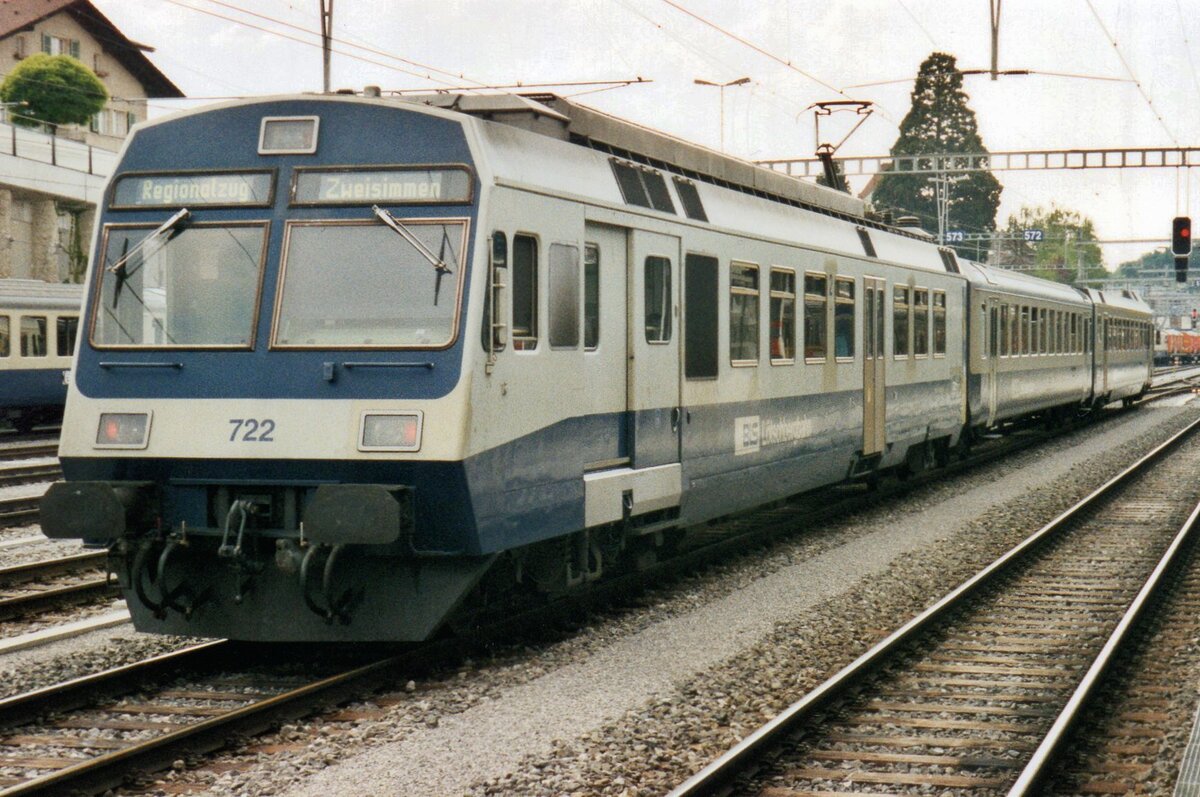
(796,52)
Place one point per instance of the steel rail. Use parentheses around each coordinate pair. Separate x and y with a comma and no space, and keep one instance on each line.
(87,689)
(30,571)
(42,600)
(19,510)
(25,474)
(1039,765)
(727,766)
(29,449)
(110,769)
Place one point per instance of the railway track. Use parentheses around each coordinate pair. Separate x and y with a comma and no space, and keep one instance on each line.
(979,693)
(17,473)
(18,511)
(40,586)
(29,449)
(90,734)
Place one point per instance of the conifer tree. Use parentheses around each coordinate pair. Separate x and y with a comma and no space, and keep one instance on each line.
(941,122)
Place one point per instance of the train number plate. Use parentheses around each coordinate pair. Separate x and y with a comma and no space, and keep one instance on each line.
(252,430)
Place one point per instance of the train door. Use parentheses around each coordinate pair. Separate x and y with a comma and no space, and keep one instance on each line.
(992,349)
(652,368)
(605,338)
(874,362)
(1102,348)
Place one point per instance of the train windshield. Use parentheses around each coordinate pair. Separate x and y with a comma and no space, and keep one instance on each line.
(183,287)
(362,285)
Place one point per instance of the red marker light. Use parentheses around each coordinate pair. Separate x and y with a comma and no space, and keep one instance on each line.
(112,430)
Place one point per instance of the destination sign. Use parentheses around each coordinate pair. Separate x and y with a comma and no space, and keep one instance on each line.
(178,190)
(382,185)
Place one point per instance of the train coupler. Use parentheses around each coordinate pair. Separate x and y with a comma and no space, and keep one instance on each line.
(331,607)
(181,598)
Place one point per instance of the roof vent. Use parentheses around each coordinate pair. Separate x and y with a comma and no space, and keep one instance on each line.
(371,91)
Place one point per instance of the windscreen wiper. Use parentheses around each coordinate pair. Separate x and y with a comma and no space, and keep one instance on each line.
(407,234)
(166,226)
(119,269)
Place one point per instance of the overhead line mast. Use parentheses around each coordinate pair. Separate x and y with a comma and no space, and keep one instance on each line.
(326,38)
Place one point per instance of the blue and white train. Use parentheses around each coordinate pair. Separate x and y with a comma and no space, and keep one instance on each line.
(38,326)
(355,366)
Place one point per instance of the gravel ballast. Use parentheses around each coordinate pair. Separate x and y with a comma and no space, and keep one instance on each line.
(644,696)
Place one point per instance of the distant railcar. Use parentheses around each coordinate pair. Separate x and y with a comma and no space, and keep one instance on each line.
(1176,347)
(38,326)
(356,367)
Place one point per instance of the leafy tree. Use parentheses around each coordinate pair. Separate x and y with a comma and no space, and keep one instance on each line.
(940,122)
(1160,263)
(55,90)
(1067,237)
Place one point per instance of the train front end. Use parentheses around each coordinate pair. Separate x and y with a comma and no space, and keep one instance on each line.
(266,422)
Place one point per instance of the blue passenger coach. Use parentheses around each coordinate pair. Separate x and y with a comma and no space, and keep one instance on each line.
(358,367)
(38,326)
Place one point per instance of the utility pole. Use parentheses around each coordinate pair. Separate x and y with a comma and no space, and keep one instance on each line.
(327,36)
(995,19)
(942,186)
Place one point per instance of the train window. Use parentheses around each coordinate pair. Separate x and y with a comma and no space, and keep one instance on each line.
(1025,329)
(658,299)
(949,260)
(643,187)
(33,336)
(939,323)
(564,296)
(921,322)
(1043,331)
(66,330)
(993,333)
(843,317)
(690,198)
(492,332)
(629,180)
(1005,331)
(197,286)
(591,297)
(783,316)
(743,313)
(656,188)
(5,337)
(525,292)
(365,284)
(1073,333)
(816,316)
(701,306)
(901,322)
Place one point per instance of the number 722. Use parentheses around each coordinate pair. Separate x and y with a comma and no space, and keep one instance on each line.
(252,430)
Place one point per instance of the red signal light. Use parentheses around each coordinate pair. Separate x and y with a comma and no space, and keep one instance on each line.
(1181,236)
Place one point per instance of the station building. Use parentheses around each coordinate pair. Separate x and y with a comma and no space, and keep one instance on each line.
(51,180)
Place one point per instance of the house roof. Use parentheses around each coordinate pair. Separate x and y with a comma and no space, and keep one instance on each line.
(18,15)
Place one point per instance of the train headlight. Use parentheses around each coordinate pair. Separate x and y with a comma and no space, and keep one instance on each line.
(396,431)
(123,430)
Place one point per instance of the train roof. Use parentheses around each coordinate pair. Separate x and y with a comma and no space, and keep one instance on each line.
(37,295)
(556,117)
(1122,300)
(1015,282)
